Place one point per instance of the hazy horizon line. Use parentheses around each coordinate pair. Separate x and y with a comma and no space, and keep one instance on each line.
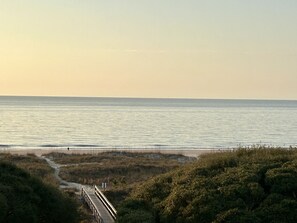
(156,98)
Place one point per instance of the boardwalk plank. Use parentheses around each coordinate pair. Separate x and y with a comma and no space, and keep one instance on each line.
(103,211)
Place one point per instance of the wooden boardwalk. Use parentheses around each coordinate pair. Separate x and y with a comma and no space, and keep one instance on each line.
(102,209)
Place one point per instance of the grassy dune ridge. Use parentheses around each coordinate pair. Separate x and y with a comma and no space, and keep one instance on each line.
(248,185)
(122,171)
(245,185)
(33,164)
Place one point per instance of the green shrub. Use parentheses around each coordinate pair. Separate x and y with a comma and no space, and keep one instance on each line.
(135,211)
(24,198)
(248,185)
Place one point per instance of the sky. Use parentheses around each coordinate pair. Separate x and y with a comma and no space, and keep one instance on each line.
(149,48)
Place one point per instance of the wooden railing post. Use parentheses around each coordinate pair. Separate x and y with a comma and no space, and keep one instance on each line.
(92,206)
(112,211)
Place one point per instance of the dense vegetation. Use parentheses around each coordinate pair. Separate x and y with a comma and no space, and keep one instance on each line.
(120,170)
(248,185)
(24,198)
(33,164)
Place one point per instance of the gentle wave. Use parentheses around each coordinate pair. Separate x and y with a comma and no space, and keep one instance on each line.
(113,123)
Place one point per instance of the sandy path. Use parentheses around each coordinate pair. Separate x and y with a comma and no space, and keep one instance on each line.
(63,183)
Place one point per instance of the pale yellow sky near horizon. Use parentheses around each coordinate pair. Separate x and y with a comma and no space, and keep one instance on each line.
(180,49)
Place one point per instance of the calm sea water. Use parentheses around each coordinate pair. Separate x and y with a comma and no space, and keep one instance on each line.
(41,122)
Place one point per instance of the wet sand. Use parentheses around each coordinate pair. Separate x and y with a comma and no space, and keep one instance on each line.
(40,152)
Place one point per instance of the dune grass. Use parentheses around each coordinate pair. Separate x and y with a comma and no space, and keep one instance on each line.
(120,170)
(33,164)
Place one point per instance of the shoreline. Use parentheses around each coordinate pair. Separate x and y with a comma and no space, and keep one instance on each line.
(40,152)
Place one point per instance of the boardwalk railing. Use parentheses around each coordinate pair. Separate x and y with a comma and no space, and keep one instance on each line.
(112,211)
(92,206)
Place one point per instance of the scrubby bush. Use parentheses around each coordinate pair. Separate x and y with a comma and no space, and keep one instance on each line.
(134,211)
(248,185)
(24,198)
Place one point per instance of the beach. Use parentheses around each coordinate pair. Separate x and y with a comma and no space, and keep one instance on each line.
(43,151)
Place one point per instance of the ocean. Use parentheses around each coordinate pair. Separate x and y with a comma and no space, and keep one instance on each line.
(132,123)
